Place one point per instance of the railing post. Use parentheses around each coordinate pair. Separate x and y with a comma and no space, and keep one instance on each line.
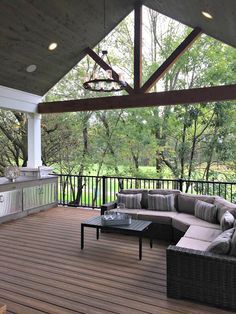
(104,190)
(180,181)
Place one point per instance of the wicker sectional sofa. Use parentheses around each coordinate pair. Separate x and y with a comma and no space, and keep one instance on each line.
(192,271)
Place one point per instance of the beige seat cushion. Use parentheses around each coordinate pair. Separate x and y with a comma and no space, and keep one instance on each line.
(194,244)
(162,217)
(202,233)
(183,221)
(132,212)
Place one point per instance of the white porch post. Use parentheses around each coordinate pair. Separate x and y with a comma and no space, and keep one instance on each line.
(34,140)
(13,99)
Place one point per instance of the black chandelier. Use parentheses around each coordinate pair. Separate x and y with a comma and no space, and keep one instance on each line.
(101,80)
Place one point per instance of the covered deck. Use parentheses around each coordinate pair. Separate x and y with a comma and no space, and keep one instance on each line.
(43,270)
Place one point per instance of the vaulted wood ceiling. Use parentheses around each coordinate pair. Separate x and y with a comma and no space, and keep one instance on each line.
(29,26)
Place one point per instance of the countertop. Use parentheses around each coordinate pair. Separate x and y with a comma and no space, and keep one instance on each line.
(22,179)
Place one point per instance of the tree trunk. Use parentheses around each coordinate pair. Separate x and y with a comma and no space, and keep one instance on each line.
(210,153)
(194,141)
(80,184)
(107,132)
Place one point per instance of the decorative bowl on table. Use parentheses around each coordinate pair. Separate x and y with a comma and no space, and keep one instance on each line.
(11,173)
(120,206)
(112,218)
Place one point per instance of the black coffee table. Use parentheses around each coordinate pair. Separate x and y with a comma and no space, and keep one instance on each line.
(136,228)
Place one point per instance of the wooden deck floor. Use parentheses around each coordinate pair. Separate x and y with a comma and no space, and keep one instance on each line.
(42,269)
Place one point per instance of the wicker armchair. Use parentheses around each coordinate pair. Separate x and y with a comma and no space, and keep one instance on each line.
(201,276)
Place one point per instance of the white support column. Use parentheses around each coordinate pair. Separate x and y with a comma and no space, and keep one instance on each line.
(34,140)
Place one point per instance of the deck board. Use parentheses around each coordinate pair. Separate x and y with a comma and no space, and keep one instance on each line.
(43,270)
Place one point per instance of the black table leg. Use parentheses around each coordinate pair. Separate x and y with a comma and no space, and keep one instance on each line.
(97,233)
(140,247)
(151,243)
(82,236)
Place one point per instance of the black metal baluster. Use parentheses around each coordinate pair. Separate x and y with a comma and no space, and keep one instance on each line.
(69,186)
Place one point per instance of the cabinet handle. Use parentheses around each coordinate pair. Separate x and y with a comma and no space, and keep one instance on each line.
(1,198)
(40,190)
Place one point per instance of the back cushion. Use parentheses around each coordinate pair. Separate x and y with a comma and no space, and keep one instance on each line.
(186,202)
(167,192)
(132,201)
(161,202)
(144,200)
(222,206)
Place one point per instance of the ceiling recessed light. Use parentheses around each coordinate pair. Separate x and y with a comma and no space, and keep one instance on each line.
(52,46)
(31,68)
(207,15)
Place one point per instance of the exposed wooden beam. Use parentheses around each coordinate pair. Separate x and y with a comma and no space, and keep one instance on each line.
(106,66)
(176,54)
(137,47)
(187,96)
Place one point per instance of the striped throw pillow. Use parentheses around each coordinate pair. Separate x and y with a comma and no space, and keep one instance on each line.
(132,201)
(205,211)
(161,202)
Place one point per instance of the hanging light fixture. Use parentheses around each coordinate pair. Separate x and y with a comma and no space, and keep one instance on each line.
(102,80)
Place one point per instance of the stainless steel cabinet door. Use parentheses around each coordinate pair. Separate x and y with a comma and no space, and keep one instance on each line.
(10,202)
(31,197)
(48,192)
(39,195)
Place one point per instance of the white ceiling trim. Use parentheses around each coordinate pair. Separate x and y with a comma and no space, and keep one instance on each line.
(17,100)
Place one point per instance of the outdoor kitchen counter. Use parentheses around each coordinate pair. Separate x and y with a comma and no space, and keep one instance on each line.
(24,181)
(26,195)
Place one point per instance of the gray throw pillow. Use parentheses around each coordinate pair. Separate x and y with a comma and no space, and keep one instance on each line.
(131,201)
(227,221)
(161,202)
(144,192)
(205,211)
(222,243)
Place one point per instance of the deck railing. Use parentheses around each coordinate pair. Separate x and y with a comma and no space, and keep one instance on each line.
(93,191)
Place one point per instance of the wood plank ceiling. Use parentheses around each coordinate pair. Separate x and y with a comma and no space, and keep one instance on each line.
(29,26)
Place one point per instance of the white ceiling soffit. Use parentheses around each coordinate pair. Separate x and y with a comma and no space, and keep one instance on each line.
(13,99)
